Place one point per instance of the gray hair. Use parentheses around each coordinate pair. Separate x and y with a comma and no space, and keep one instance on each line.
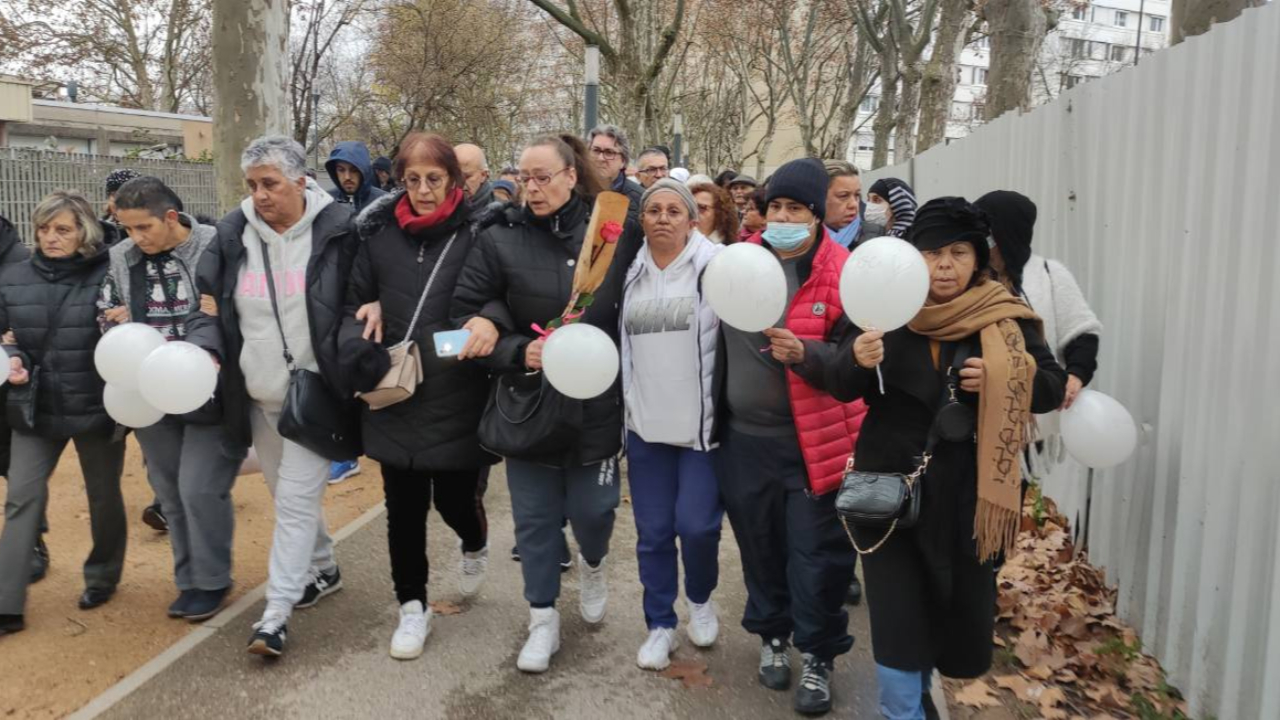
(839,168)
(619,136)
(671,186)
(282,152)
(60,201)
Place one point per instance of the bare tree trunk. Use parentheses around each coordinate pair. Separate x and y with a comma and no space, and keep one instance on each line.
(1194,17)
(250,77)
(938,86)
(883,125)
(1017,30)
(904,131)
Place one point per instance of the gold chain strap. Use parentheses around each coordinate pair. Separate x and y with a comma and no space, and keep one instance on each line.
(911,486)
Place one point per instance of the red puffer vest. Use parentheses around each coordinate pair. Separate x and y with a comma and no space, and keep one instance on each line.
(827,428)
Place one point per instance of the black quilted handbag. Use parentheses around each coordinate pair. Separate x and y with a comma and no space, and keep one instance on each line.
(889,500)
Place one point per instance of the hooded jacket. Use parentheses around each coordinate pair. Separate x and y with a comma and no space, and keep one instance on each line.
(353,153)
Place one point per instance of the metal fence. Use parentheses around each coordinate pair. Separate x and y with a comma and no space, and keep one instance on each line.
(27,175)
(1160,188)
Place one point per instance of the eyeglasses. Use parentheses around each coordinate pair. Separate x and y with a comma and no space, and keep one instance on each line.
(704,208)
(652,170)
(435,182)
(540,180)
(656,214)
(607,153)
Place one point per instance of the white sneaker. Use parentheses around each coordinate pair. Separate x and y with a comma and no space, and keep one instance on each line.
(655,653)
(704,626)
(593,590)
(472,569)
(415,626)
(543,642)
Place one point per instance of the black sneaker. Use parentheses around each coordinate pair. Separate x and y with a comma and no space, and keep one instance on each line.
(854,596)
(515,553)
(179,607)
(322,585)
(813,696)
(10,624)
(40,561)
(775,664)
(206,603)
(268,637)
(154,518)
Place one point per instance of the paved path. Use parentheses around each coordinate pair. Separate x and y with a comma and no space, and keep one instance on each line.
(337,664)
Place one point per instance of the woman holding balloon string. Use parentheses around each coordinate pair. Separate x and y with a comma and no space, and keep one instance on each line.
(152,282)
(959,383)
(55,397)
(526,263)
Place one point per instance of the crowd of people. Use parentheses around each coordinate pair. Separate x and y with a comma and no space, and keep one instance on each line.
(309,301)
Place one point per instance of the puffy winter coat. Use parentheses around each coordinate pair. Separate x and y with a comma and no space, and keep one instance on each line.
(216,328)
(526,263)
(435,429)
(69,400)
(826,428)
(11,251)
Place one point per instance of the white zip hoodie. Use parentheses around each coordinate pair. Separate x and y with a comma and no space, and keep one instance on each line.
(262,357)
(669,338)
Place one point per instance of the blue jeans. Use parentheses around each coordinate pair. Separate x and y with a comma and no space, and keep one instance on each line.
(901,692)
(674,493)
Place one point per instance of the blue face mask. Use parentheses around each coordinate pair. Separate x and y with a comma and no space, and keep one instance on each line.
(786,236)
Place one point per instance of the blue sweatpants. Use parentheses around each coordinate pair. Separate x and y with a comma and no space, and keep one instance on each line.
(674,493)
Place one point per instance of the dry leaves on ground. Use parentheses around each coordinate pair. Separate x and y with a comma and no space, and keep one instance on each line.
(693,673)
(442,607)
(1060,649)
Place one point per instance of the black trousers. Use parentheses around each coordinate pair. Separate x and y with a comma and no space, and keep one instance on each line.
(796,557)
(459,498)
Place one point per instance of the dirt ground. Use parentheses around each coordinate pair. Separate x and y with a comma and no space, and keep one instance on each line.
(67,656)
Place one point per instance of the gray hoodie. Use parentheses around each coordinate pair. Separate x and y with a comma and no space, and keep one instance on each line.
(170,293)
(262,357)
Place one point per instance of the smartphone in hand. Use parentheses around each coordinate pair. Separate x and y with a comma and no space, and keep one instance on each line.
(450,342)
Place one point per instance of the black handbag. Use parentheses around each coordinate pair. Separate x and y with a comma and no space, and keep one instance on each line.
(313,416)
(20,406)
(525,417)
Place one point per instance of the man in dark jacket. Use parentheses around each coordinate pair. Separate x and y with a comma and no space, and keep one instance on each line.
(351,171)
(152,280)
(610,153)
(382,173)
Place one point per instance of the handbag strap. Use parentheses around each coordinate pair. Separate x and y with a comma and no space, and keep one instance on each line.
(275,305)
(408,336)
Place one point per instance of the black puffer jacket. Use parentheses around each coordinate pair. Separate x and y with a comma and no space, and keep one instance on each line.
(216,328)
(69,401)
(436,428)
(527,263)
(11,251)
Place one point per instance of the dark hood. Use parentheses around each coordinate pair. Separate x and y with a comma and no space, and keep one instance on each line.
(356,154)
(9,238)
(1012,217)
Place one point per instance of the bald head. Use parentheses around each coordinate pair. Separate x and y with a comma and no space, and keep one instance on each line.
(475,168)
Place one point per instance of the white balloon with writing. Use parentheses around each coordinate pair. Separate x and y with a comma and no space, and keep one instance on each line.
(746,287)
(1098,431)
(178,378)
(120,353)
(884,284)
(129,408)
(580,361)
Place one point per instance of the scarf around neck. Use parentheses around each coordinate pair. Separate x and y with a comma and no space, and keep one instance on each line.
(414,223)
(1004,404)
(845,236)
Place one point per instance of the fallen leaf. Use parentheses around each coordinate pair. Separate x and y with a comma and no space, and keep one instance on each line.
(692,673)
(1031,647)
(441,607)
(977,694)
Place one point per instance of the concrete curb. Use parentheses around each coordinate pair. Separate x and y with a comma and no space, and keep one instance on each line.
(204,631)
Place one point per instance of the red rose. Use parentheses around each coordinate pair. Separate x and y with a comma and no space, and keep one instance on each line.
(611,231)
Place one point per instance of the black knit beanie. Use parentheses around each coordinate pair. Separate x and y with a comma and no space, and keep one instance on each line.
(947,220)
(804,181)
(1012,217)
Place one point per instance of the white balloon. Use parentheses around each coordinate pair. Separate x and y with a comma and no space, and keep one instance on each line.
(120,353)
(1098,431)
(129,408)
(4,367)
(884,284)
(178,378)
(746,287)
(580,361)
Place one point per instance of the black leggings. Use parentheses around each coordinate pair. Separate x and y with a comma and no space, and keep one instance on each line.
(459,498)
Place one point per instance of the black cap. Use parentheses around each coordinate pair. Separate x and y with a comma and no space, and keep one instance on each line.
(1012,217)
(804,181)
(743,180)
(946,220)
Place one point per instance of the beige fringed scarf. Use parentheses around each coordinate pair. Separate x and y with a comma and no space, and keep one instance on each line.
(1004,405)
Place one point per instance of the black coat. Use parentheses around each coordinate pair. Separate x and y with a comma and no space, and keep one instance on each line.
(69,400)
(216,328)
(931,600)
(435,429)
(11,251)
(527,264)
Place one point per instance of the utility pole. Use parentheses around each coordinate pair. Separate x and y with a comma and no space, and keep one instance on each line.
(591,108)
(677,126)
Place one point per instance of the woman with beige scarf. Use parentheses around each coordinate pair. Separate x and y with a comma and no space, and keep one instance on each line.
(976,350)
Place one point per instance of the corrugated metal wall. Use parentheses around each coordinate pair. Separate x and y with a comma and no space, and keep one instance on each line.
(1160,188)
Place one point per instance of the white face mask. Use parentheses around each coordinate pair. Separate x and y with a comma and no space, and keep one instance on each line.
(876,214)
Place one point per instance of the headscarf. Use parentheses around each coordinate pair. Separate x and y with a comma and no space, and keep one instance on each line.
(1012,218)
(902,201)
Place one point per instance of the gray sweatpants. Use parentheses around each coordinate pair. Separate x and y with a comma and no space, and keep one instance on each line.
(541,498)
(33,461)
(192,478)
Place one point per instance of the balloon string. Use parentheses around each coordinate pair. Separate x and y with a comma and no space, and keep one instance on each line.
(881,376)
